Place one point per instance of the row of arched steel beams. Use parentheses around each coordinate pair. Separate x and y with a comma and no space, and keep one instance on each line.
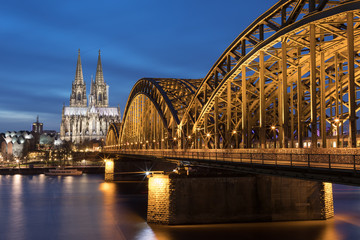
(112,136)
(292,74)
(153,112)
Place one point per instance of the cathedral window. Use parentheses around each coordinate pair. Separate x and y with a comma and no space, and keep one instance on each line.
(100,97)
(79,96)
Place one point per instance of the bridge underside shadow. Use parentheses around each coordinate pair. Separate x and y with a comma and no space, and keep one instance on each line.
(134,168)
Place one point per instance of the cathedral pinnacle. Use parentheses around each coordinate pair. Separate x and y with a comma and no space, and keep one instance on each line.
(78,94)
(79,74)
(99,77)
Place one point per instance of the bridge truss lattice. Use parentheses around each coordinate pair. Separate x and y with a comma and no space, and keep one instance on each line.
(293,73)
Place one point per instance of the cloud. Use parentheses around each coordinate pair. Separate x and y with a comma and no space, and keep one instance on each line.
(22,120)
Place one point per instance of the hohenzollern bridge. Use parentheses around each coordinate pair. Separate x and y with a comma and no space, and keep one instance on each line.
(283,97)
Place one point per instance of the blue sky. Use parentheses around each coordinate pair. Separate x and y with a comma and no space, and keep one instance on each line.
(137,38)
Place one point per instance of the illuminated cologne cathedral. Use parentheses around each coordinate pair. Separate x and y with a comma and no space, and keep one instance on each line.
(88,119)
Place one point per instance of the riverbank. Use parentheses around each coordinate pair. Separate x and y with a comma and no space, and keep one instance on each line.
(42,170)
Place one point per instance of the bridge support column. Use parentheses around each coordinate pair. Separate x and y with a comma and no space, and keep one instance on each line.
(216,124)
(313,114)
(262,112)
(352,92)
(299,109)
(244,126)
(178,199)
(283,97)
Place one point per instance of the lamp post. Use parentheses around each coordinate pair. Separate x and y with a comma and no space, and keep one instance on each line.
(336,120)
(273,128)
(175,142)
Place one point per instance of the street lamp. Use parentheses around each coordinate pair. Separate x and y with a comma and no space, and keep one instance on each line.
(337,121)
(273,128)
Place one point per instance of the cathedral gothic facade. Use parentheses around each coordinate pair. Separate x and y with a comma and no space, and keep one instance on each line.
(88,118)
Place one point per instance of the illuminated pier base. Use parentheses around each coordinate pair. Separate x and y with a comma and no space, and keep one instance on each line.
(109,170)
(176,199)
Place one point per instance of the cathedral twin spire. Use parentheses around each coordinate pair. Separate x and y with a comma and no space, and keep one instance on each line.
(98,91)
(79,74)
(99,78)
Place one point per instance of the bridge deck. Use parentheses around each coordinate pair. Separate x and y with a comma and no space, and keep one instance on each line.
(333,165)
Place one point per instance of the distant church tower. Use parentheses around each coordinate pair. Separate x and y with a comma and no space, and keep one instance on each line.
(87,120)
(99,91)
(78,93)
(37,126)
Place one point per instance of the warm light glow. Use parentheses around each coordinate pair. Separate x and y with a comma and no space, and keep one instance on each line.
(189,137)
(234,132)
(336,120)
(109,166)
(273,127)
(107,187)
(208,134)
(157,182)
(174,138)
(154,140)
(147,173)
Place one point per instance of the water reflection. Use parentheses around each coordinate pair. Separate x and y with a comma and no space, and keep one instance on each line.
(16,217)
(40,207)
(122,218)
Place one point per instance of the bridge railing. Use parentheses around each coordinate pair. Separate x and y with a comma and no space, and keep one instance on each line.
(335,160)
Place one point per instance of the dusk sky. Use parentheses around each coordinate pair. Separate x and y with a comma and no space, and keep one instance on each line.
(138,38)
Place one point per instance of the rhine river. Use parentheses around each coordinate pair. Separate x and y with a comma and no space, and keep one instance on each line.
(85,207)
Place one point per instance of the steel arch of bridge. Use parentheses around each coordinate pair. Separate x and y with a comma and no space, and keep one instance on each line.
(153,111)
(112,136)
(292,73)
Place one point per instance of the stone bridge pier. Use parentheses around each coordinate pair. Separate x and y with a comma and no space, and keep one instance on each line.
(181,199)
